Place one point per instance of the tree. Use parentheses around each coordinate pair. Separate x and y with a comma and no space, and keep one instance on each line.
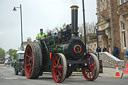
(90,30)
(2,53)
(12,53)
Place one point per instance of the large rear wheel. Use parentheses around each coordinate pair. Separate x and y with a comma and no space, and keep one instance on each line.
(32,61)
(91,72)
(59,67)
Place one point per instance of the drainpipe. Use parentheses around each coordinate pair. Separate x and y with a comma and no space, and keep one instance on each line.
(111,26)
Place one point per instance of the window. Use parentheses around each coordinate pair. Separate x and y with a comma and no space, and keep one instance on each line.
(21,56)
(123,34)
(123,1)
(103,5)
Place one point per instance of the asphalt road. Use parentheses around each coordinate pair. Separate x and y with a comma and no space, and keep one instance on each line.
(7,77)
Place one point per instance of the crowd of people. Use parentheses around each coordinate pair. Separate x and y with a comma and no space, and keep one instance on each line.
(114,52)
(98,49)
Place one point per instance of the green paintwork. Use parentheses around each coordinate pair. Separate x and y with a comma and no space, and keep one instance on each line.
(47,47)
(76,62)
(54,46)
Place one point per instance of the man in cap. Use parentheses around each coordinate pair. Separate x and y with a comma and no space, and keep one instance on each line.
(41,35)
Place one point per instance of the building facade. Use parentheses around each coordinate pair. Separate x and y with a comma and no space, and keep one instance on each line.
(112,17)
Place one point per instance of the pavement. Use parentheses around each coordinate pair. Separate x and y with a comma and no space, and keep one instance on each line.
(107,72)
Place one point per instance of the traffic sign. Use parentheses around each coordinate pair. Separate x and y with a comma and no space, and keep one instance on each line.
(92,37)
(126,68)
(102,32)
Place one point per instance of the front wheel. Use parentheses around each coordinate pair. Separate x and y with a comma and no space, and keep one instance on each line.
(91,72)
(59,67)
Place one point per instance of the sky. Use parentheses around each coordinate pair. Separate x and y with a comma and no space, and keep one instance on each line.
(36,14)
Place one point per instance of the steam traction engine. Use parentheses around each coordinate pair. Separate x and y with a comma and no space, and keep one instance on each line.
(60,54)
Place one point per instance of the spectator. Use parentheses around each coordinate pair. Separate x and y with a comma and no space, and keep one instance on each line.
(125,52)
(104,49)
(108,50)
(115,52)
(90,51)
(98,49)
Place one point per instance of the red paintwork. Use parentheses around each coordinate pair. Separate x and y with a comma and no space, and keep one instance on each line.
(75,49)
(27,64)
(56,73)
(89,72)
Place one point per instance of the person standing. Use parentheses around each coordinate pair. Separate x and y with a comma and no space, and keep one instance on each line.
(98,49)
(104,49)
(125,57)
(108,50)
(115,51)
(41,35)
(90,51)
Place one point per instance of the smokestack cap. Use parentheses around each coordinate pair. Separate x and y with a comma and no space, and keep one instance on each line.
(74,7)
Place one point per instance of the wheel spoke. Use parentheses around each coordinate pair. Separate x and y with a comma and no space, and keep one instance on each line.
(60,74)
(30,70)
(89,74)
(59,68)
(92,73)
(31,59)
(28,56)
(30,50)
(29,65)
(92,67)
(58,61)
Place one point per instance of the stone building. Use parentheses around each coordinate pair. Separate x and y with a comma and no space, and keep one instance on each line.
(112,17)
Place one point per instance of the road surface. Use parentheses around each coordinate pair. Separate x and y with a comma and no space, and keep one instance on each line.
(7,77)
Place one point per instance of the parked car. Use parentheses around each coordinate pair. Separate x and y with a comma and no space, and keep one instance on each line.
(19,63)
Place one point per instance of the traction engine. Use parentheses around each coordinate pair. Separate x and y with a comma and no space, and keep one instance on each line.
(60,53)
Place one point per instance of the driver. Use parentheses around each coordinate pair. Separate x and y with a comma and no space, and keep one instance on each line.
(41,35)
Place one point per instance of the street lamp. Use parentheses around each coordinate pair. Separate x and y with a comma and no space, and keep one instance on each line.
(96,29)
(15,9)
(84,25)
(97,34)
